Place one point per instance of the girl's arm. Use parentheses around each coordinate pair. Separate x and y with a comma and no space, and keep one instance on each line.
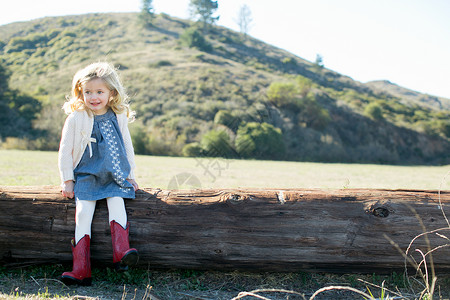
(123,123)
(133,183)
(67,188)
(65,154)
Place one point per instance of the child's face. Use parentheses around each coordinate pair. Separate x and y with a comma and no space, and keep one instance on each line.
(96,96)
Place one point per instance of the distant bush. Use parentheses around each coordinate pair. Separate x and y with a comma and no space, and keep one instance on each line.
(226,118)
(444,127)
(192,38)
(289,64)
(289,61)
(299,100)
(17,113)
(139,138)
(31,41)
(374,111)
(217,143)
(313,115)
(161,63)
(260,140)
(282,93)
(16,143)
(192,150)
(435,127)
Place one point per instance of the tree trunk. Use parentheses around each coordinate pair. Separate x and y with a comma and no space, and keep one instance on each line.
(345,230)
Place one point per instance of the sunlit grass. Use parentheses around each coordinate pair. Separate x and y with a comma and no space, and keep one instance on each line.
(41,168)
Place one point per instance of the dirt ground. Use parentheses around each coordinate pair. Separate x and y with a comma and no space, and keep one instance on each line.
(41,282)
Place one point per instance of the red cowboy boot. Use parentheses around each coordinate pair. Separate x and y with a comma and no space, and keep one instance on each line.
(123,255)
(81,272)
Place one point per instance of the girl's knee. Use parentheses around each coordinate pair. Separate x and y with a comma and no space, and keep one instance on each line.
(85,210)
(116,210)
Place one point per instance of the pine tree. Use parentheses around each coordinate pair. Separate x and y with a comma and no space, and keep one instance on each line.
(204,10)
(147,14)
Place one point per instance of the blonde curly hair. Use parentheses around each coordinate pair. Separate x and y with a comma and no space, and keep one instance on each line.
(119,101)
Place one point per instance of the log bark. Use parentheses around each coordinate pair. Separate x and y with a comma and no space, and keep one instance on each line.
(349,230)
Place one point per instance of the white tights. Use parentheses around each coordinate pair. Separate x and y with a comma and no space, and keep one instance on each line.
(85,212)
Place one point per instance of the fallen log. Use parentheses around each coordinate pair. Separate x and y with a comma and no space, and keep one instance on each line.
(349,230)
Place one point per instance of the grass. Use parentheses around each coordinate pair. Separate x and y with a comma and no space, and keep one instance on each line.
(41,282)
(41,168)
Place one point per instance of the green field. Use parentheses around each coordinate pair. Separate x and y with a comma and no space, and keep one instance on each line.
(40,168)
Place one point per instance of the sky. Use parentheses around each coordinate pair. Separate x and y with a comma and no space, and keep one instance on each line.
(404,41)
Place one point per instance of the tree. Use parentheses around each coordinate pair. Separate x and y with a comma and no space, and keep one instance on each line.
(147,14)
(217,143)
(318,63)
(299,100)
(17,110)
(192,150)
(260,140)
(226,118)
(204,10)
(244,19)
(192,38)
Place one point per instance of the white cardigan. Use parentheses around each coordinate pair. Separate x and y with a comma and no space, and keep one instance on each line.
(76,135)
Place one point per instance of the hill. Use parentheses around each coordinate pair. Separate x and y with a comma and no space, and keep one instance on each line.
(409,97)
(216,93)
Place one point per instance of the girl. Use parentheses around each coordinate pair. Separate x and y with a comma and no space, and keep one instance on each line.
(96,161)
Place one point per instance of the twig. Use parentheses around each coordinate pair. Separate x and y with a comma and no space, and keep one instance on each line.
(424,233)
(35,281)
(381,287)
(194,297)
(253,293)
(434,249)
(442,236)
(245,294)
(330,288)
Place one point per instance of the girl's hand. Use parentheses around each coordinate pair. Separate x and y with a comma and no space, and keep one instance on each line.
(67,188)
(133,183)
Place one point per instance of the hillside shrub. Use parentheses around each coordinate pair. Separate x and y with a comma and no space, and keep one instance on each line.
(444,127)
(192,150)
(139,138)
(17,112)
(305,85)
(192,38)
(282,94)
(260,140)
(160,63)
(217,143)
(374,111)
(313,115)
(226,118)
(435,127)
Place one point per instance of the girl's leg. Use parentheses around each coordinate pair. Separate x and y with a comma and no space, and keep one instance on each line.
(123,255)
(81,271)
(83,218)
(117,212)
